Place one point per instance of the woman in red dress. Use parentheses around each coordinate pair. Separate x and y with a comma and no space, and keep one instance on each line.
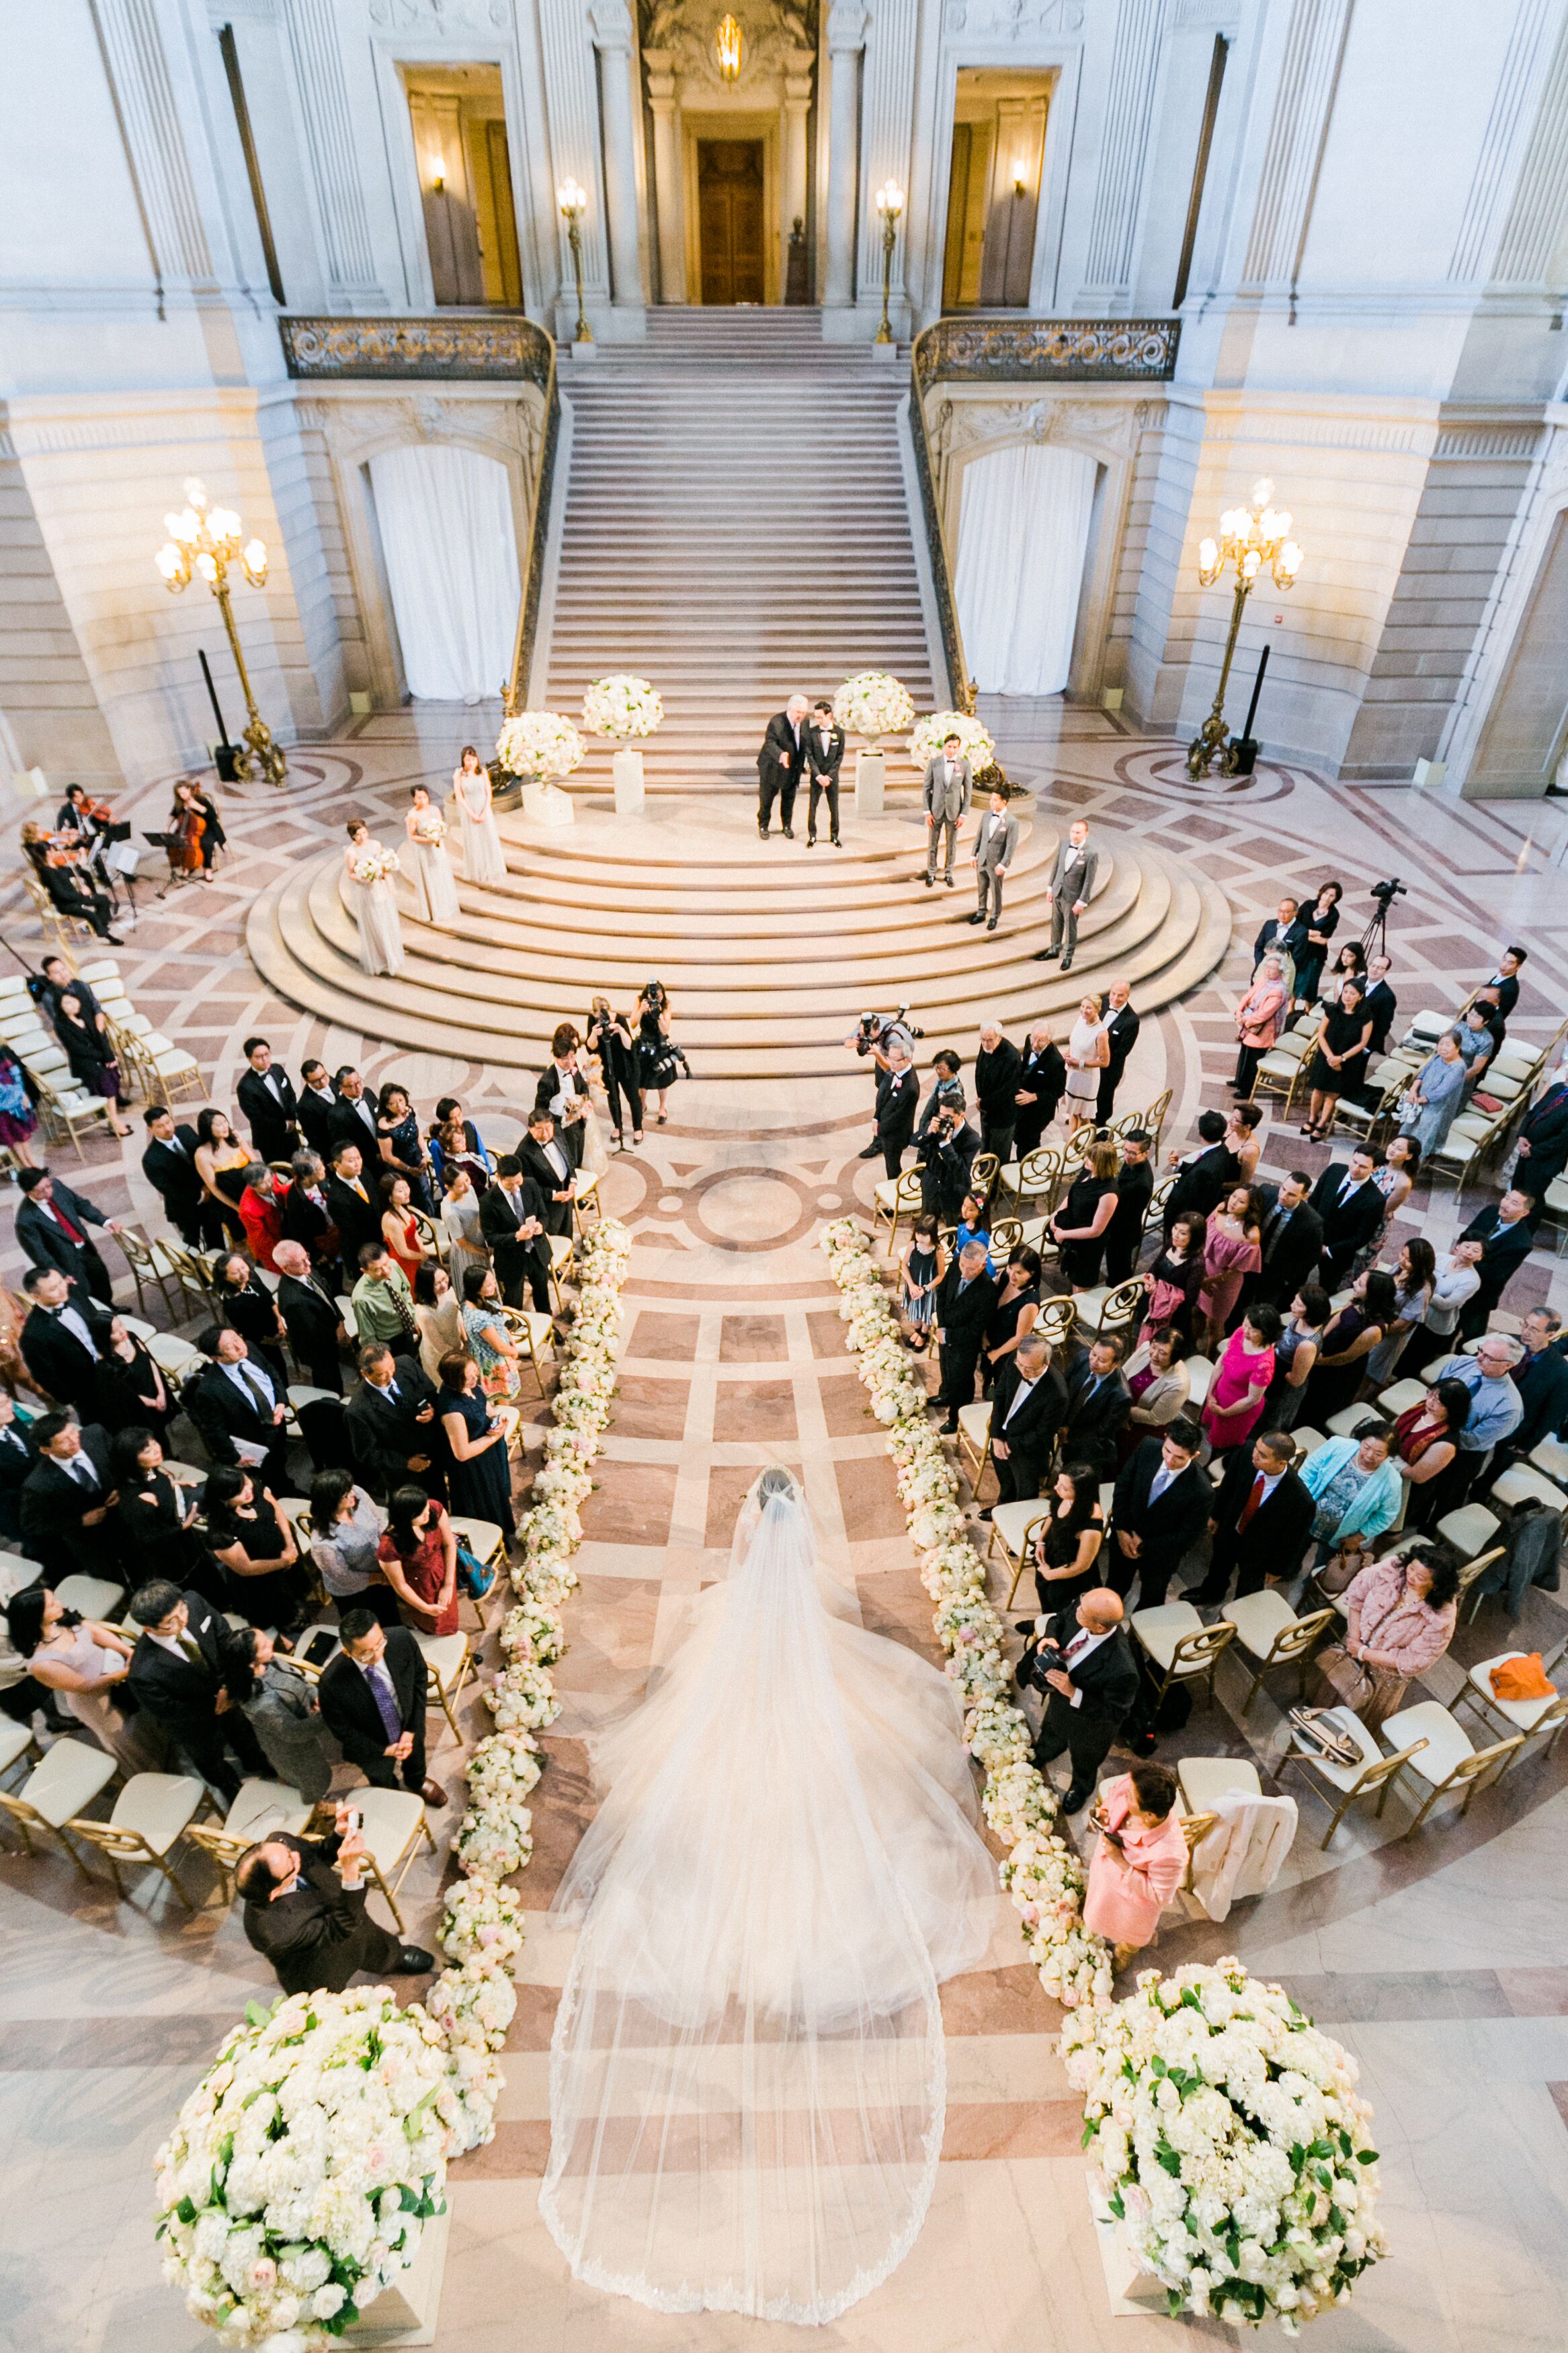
(418,1554)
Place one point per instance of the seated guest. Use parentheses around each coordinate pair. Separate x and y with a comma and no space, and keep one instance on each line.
(281,1708)
(1098,1405)
(1426,1454)
(1025,1415)
(1082,1660)
(1355,1491)
(64,1335)
(391,1422)
(66,1501)
(308,1919)
(1506,1232)
(1139,1862)
(1071,1539)
(316,1331)
(1401,1612)
(1262,1517)
(52,1230)
(131,1389)
(964,1298)
(251,1310)
(1496,1407)
(254,1544)
(261,1212)
(1157,1382)
(1540,1378)
(1160,1509)
(177,1677)
(169,1165)
(237,1410)
(18,1460)
(155,1516)
(85,1664)
(374,1701)
(383,1302)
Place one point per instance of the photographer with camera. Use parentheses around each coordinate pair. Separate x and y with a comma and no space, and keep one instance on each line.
(305,1911)
(1322,920)
(945,1150)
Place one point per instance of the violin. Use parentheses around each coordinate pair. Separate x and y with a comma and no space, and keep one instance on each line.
(99,812)
(62,848)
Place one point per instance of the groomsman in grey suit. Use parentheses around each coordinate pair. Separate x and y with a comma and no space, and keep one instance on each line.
(1068,892)
(947,787)
(995,846)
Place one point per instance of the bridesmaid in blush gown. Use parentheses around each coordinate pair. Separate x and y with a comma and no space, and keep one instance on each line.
(430,869)
(484,861)
(368,870)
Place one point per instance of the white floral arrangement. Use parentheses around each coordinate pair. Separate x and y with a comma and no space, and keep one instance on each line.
(874,703)
(495,1839)
(504,1765)
(532,1630)
(474,2003)
(977,745)
(522,1696)
(375,863)
(1230,2145)
(540,743)
(621,706)
(301,2171)
(482,1921)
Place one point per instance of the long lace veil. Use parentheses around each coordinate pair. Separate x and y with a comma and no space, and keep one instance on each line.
(747,2075)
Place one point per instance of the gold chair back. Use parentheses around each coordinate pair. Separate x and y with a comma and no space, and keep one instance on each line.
(1055,1320)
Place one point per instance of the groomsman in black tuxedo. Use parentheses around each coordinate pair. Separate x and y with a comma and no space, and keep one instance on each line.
(169,1165)
(779,766)
(315,1105)
(1027,1412)
(1120,1036)
(824,759)
(63,1338)
(898,1098)
(266,1095)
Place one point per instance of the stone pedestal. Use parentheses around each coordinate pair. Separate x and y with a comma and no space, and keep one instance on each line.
(1130,2288)
(547,804)
(627,769)
(871,783)
(405,2313)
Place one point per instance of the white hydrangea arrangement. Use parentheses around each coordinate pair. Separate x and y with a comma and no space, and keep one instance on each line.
(1231,2145)
(621,706)
(874,703)
(540,743)
(978,745)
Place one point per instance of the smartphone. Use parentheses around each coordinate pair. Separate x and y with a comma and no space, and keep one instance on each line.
(353,1820)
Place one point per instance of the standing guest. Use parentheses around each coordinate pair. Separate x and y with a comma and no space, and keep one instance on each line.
(1122,1028)
(282,1709)
(945,794)
(898,1095)
(1071,1539)
(1506,1232)
(609,1035)
(946,1152)
(304,1913)
(964,1298)
(1042,1082)
(155,1516)
(1381,1003)
(1349,965)
(1140,1859)
(1173,1282)
(1160,1509)
(1080,1226)
(221,1163)
(52,1230)
(345,1545)
(918,1281)
(824,752)
(516,1221)
(1348,1343)
(1098,1406)
(266,1095)
(400,1145)
(1480,1035)
(307,1220)
(131,1392)
(18,1460)
(1496,1407)
(400,1227)
(483,1332)
(374,1703)
(419,1561)
(1543,1138)
(1415,1274)
(1134,1191)
(1541,1376)
(1356,1494)
(261,1213)
(1082,1661)
(563,1092)
(169,1165)
(438,1312)
(1242,1123)
(466,1244)
(1401,1612)
(1257,1021)
(946,1089)
(1322,919)
(997,1067)
(1295,1355)
(356,1117)
(86,1664)
(315,1328)
(1434,1096)
(176,1677)
(436,899)
(1158,1383)
(249,1309)
(1088,1054)
(1232,1249)
(477,1443)
(1425,1450)
(314,1105)
(1261,1521)
(1338,1062)
(1204,1176)
(1286,934)
(779,766)
(484,860)
(1504,982)
(660,1059)
(1292,1241)
(67,1502)
(356,1217)
(383,1300)
(1240,1385)
(996,846)
(252,1541)
(974,1226)
(18,1120)
(64,1336)
(1395,1180)
(1013,1316)
(1351,1209)
(1069,887)
(1027,1411)
(235,1404)
(391,1422)
(93,1067)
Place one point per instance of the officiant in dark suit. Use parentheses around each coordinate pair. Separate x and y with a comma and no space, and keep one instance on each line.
(779,766)
(824,759)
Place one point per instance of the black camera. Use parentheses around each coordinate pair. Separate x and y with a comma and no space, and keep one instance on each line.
(1386,893)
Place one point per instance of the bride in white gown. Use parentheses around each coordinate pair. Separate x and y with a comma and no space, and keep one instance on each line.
(747,2076)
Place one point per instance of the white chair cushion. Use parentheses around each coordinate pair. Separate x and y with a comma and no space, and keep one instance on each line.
(1308,1439)
(883,1194)
(15,1740)
(1012,1522)
(1161,1629)
(1343,1777)
(91,1597)
(481,1536)
(1349,1419)
(1522,1485)
(69,1777)
(1034,1233)
(157,1807)
(171,1354)
(559,1250)
(1447,1744)
(391,1817)
(974,1421)
(301,1393)
(540,1330)
(1204,1780)
(1200,1374)
(444,1653)
(1525,1713)
(1469,1530)
(134,1324)
(1399,1397)
(1259,1619)
(1551,1456)
(263,1806)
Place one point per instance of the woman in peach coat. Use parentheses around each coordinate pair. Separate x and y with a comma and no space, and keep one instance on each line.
(1139,1860)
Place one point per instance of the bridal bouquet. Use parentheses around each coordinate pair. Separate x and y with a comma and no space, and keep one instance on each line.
(621,706)
(977,744)
(430,828)
(873,703)
(1231,2145)
(301,2171)
(540,743)
(373,863)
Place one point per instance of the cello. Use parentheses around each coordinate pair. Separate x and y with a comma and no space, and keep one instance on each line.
(182,840)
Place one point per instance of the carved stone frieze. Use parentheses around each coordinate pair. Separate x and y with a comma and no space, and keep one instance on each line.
(1012,19)
(774,32)
(441,16)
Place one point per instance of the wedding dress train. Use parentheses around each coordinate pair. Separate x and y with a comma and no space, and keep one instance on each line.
(747,2072)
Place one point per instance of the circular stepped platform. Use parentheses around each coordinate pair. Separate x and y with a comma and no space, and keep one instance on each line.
(768,950)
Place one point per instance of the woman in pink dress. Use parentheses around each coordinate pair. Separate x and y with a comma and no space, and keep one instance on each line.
(1240,1385)
(1139,1859)
(1232,1247)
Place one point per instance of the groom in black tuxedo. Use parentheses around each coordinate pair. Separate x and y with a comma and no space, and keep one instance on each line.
(824,759)
(779,766)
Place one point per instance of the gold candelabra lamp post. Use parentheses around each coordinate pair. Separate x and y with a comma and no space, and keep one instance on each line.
(209,541)
(1250,537)
(573,199)
(889,203)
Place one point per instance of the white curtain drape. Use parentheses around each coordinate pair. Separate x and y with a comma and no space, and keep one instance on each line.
(1022,532)
(450,545)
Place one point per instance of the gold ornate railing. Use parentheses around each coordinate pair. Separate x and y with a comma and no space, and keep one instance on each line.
(1016,350)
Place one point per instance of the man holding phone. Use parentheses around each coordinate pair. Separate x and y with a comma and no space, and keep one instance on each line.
(1082,1662)
(305,1911)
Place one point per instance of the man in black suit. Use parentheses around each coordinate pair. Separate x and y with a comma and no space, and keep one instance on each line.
(1285,933)
(63,1338)
(316,1331)
(176,1673)
(545,1159)
(350,1203)
(1381,1004)
(52,1230)
(997,1068)
(266,1095)
(1120,1036)
(67,1502)
(1292,1242)
(169,1165)
(1203,1176)
(20,1456)
(1261,1520)
(898,1098)
(779,766)
(1160,1510)
(1027,1408)
(305,1912)
(1082,1662)
(515,1219)
(314,1105)
(824,750)
(1506,1232)
(235,1404)
(1042,1079)
(352,1121)
(1543,1138)
(374,1698)
(964,1298)
(392,1423)
(1097,1408)
(946,1153)
(1134,1191)
(308,1218)
(1351,1208)
(563,1092)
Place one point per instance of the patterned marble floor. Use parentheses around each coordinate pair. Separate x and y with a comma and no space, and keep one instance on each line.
(1437,1957)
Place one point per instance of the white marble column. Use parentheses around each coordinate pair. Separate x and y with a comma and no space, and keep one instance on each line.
(612,29)
(667,187)
(847,24)
(797,64)
(313,42)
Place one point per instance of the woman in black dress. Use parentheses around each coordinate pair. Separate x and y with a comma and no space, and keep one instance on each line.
(1013,1318)
(609,1035)
(90,1056)
(658,1057)
(1348,1341)
(1322,920)
(479,1468)
(131,1392)
(244,1303)
(213,835)
(1338,1066)
(257,1550)
(1079,1225)
(403,1151)
(157,1517)
(1068,1546)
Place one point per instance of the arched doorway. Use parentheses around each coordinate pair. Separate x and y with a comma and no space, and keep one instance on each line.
(449,545)
(1022,535)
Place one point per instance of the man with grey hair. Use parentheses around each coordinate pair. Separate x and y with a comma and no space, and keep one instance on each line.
(1496,1407)
(779,766)
(1028,1410)
(310,1318)
(997,1068)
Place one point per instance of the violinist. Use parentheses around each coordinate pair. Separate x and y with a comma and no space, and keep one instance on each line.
(56,860)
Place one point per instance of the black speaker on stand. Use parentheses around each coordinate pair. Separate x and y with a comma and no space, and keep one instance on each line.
(1241,752)
(226,758)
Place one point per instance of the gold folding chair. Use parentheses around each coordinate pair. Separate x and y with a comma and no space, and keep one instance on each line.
(1014,1526)
(1039,1176)
(1006,1236)
(260,1808)
(1352,1782)
(69,1777)
(450,1662)
(530,1332)
(1179,1646)
(151,1814)
(895,1198)
(149,1262)
(1268,1631)
(1449,1761)
(392,1824)
(974,1437)
(1055,1322)
(983,1171)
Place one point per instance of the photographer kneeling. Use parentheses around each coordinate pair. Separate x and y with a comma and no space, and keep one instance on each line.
(305,1911)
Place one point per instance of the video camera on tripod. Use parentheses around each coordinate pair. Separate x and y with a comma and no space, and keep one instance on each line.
(1375,939)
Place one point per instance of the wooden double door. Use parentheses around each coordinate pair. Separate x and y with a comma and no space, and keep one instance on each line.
(729,217)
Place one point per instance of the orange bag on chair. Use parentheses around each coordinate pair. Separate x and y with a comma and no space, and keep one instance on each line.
(1521,1678)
